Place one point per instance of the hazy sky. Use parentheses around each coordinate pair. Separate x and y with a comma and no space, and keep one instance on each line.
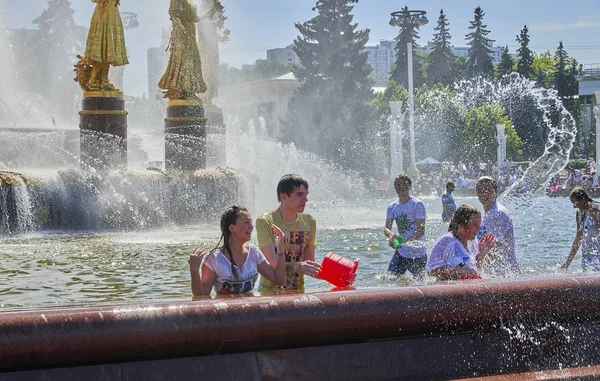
(258,25)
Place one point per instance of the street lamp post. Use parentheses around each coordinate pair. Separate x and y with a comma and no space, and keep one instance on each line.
(410,20)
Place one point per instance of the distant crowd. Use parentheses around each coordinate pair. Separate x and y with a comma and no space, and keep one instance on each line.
(571,177)
(433,178)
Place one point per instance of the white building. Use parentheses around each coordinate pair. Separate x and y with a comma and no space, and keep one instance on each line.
(463,51)
(381,57)
(284,56)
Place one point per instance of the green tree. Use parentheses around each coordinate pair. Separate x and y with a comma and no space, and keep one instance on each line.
(480,133)
(525,58)
(441,59)
(543,70)
(506,63)
(58,45)
(460,66)
(439,123)
(571,101)
(330,108)
(561,78)
(407,35)
(479,61)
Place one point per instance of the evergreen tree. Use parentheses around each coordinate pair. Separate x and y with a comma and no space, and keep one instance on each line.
(400,72)
(479,61)
(57,47)
(561,80)
(441,59)
(329,113)
(569,99)
(524,55)
(506,63)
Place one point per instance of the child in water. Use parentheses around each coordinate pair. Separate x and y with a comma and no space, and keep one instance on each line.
(234,267)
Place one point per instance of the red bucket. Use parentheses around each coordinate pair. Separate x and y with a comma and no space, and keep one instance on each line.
(338,270)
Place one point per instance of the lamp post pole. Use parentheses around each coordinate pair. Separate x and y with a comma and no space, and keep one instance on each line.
(410,20)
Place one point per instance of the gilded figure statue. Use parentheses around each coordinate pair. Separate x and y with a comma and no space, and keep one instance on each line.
(183,78)
(105,47)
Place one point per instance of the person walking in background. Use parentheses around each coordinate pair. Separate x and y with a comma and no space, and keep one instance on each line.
(456,255)
(234,267)
(410,215)
(501,260)
(448,204)
(300,235)
(587,236)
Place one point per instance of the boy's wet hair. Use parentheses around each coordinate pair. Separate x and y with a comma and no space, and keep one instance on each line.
(289,183)
(485,180)
(461,217)
(401,179)
(448,185)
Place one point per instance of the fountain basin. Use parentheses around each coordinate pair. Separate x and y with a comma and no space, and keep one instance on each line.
(440,331)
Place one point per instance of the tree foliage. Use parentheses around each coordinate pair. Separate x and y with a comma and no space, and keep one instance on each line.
(479,139)
(506,63)
(479,61)
(524,55)
(329,113)
(441,67)
(543,70)
(58,44)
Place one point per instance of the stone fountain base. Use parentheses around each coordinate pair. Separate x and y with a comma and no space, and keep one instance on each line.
(117,200)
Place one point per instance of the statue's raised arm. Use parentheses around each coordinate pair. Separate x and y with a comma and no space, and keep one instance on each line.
(105,46)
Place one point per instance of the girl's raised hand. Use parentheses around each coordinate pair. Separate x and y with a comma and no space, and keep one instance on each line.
(486,243)
(196,258)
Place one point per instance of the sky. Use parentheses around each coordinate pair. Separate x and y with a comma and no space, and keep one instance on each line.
(258,25)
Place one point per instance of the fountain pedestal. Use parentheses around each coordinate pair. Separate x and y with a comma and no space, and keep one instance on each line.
(185,135)
(103,131)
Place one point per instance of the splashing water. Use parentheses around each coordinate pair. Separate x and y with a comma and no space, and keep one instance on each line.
(269,159)
(515,91)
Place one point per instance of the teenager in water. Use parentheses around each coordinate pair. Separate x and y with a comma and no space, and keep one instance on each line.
(234,267)
(587,236)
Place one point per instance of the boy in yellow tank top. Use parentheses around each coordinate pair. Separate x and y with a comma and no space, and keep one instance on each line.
(299,229)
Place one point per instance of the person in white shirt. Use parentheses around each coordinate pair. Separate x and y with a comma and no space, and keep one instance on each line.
(501,261)
(588,232)
(234,267)
(456,255)
(409,215)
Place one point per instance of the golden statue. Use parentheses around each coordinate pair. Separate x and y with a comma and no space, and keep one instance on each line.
(105,46)
(183,78)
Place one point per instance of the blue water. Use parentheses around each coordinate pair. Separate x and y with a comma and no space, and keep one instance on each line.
(65,268)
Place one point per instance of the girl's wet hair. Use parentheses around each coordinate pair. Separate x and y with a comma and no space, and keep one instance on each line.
(229,216)
(579,194)
(461,217)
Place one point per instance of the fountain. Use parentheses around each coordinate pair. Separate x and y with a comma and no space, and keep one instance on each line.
(109,247)
(395,121)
